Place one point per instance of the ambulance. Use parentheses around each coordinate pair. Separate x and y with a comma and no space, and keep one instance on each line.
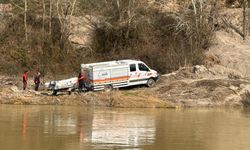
(116,74)
(108,75)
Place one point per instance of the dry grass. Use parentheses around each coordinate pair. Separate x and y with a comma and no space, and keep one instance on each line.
(131,99)
(133,30)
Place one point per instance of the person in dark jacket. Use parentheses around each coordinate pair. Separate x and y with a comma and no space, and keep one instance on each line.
(81,78)
(37,80)
(25,79)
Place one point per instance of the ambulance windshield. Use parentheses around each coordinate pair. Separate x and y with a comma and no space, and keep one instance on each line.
(142,67)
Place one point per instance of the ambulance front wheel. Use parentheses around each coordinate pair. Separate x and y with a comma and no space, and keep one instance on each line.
(151,83)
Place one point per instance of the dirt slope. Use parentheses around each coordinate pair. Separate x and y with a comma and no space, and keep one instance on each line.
(232,51)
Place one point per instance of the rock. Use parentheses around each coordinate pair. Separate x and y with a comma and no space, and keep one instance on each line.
(233,99)
(246,98)
(14,89)
(233,88)
(200,69)
(233,76)
(169,74)
(35,92)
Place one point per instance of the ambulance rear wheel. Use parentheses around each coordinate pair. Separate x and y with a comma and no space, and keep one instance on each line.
(69,92)
(108,88)
(54,92)
(151,83)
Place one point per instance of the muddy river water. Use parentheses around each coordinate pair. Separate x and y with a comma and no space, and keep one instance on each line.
(78,128)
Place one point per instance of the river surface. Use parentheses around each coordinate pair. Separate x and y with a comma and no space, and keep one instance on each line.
(78,128)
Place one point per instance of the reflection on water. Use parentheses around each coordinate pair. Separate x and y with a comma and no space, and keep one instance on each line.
(75,128)
(118,129)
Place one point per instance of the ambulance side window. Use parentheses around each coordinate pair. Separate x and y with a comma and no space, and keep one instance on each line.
(132,67)
(142,67)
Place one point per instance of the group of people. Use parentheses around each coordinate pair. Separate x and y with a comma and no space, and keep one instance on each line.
(36,80)
(81,80)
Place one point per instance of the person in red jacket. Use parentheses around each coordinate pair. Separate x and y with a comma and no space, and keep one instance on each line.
(25,80)
(81,78)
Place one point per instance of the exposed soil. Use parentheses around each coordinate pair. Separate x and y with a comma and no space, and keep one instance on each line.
(188,87)
(232,51)
(204,89)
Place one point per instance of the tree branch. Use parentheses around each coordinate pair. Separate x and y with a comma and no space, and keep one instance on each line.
(16,5)
(230,25)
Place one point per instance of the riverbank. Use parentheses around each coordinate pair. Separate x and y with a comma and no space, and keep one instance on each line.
(195,86)
(123,99)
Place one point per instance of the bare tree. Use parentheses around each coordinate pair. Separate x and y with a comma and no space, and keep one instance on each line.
(44,14)
(130,13)
(245,5)
(50,16)
(195,13)
(65,10)
(73,7)
(25,19)
(25,16)
(213,15)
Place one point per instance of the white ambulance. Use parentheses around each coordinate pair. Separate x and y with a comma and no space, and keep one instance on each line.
(117,74)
